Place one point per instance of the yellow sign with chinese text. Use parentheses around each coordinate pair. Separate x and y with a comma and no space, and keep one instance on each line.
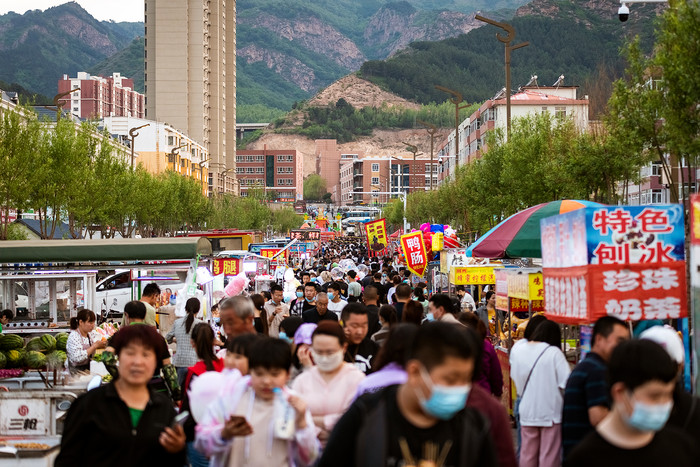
(471,275)
(526,286)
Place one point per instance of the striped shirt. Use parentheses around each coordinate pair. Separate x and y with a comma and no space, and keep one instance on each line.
(587,387)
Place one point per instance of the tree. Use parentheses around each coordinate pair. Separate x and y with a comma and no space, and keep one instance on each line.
(283,220)
(314,187)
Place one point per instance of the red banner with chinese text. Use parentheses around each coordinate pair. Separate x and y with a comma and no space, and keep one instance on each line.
(632,292)
(414,251)
(226,266)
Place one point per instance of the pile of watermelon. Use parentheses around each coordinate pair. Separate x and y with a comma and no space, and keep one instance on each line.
(41,352)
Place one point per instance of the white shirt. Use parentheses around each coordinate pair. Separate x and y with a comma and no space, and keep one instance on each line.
(467,300)
(332,306)
(542,403)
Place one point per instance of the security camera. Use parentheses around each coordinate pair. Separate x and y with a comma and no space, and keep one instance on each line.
(623,13)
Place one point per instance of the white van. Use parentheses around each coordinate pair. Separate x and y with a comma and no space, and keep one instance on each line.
(116,290)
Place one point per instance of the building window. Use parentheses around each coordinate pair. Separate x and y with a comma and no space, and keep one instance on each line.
(171,141)
(280,158)
(259,170)
(239,170)
(375,180)
(375,167)
(239,159)
(560,112)
(290,158)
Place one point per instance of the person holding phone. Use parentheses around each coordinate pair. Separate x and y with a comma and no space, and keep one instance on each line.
(137,422)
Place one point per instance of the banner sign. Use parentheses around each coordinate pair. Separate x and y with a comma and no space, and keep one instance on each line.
(518,305)
(526,286)
(226,266)
(414,251)
(270,252)
(631,264)
(306,234)
(376,235)
(474,275)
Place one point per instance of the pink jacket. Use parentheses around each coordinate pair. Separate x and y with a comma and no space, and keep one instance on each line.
(329,400)
(304,448)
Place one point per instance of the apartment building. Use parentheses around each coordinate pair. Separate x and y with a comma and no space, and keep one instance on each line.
(94,97)
(279,171)
(559,100)
(160,147)
(190,76)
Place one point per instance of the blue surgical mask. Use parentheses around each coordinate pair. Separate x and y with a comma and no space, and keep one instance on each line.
(300,294)
(444,401)
(284,337)
(649,417)
(331,295)
(217,320)
(430,317)
(310,300)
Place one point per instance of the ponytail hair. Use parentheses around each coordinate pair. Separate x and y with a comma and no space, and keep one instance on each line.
(192,308)
(203,337)
(83,315)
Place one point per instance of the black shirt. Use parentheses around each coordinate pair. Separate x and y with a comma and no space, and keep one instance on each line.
(373,319)
(670,447)
(347,439)
(101,418)
(362,354)
(313,316)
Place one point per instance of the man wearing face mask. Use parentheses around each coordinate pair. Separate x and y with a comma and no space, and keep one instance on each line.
(586,397)
(276,309)
(423,421)
(642,378)
(336,303)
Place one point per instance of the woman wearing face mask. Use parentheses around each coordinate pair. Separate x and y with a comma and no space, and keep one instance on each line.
(642,379)
(540,370)
(330,386)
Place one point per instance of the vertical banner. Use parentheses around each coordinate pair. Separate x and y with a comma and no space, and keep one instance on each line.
(414,251)
(375,232)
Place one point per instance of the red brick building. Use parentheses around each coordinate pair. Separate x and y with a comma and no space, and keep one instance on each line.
(278,171)
(99,97)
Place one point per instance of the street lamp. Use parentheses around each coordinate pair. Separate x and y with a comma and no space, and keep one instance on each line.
(173,153)
(56,99)
(456,99)
(133,134)
(506,40)
(201,171)
(414,149)
(432,130)
(223,176)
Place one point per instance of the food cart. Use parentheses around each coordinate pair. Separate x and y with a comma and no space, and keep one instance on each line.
(59,278)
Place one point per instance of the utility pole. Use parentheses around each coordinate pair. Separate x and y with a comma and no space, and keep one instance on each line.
(414,150)
(506,40)
(432,130)
(456,99)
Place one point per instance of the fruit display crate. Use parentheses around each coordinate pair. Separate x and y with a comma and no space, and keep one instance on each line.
(29,451)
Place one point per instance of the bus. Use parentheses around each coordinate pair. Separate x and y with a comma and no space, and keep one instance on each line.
(359,216)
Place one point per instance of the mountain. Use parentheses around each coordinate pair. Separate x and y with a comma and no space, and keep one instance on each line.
(37,48)
(25,96)
(128,62)
(576,39)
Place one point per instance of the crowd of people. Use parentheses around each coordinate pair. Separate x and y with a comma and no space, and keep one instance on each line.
(362,368)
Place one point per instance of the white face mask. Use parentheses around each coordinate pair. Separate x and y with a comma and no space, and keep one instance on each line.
(328,363)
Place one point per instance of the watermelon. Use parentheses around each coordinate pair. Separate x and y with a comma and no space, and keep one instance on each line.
(14,358)
(3,360)
(49,342)
(61,340)
(35,359)
(11,342)
(55,359)
(35,344)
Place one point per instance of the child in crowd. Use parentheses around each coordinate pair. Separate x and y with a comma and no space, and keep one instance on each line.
(238,428)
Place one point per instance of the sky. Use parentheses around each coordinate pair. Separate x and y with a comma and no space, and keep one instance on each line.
(103,10)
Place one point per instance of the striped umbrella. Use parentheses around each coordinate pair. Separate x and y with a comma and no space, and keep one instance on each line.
(519,235)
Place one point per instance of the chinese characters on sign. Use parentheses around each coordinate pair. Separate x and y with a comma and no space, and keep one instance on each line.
(634,268)
(306,234)
(227,266)
(470,275)
(414,251)
(376,235)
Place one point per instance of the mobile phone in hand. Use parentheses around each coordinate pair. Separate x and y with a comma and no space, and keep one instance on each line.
(181,418)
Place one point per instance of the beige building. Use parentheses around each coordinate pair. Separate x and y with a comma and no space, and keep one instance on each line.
(190,77)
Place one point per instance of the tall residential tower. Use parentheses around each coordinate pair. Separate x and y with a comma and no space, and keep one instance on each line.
(190,77)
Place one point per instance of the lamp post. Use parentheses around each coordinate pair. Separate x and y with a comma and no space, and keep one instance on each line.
(223,175)
(414,149)
(133,134)
(432,130)
(56,99)
(506,40)
(201,171)
(456,99)
(173,153)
